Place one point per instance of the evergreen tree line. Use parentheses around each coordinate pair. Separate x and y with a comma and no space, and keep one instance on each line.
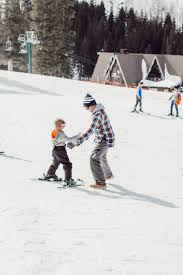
(71,34)
(95,32)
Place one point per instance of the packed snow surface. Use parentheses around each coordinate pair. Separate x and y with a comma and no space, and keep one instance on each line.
(135,227)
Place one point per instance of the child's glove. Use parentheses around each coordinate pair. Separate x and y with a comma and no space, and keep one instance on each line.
(71,145)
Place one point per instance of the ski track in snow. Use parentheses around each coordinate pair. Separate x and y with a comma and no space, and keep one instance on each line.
(132,228)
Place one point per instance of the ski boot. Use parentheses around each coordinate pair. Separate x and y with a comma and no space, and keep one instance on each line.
(170,114)
(98,185)
(70,183)
(140,110)
(135,111)
(51,177)
(109,178)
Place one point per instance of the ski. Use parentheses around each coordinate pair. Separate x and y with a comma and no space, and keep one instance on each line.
(2,152)
(75,184)
(51,180)
(61,182)
(174,117)
(134,112)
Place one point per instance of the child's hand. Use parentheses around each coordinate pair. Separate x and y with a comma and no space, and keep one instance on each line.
(71,145)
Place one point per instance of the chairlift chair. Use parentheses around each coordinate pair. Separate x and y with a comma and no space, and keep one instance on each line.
(21,38)
(23,48)
(31,37)
(9,46)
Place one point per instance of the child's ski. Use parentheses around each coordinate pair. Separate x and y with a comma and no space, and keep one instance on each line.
(51,180)
(43,178)
(61,182)
(75,183)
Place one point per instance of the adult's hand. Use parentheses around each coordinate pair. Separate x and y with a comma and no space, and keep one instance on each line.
(79,141)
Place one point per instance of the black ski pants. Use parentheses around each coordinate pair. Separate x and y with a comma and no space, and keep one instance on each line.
(60,157)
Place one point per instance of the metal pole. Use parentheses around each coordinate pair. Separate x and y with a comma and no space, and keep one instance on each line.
(29,57)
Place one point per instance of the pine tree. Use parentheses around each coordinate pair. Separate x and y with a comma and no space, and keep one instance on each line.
(90,23)
(110,33)
(26,7)
(52,21)
(132,24)
(14,25)
(168,28)
(120,31)
(14,21)
(2,38)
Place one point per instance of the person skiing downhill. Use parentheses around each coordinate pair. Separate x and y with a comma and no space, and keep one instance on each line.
(175,101)
(138,98)
(59,153)
(104,139)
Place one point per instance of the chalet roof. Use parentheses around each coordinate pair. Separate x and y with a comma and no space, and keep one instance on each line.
(175,63)
(131,65)
(102,63)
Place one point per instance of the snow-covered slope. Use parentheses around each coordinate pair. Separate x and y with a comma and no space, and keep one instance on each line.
(133,228)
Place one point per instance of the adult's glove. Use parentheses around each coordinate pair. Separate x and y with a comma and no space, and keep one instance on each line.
(79,141)
(72,145)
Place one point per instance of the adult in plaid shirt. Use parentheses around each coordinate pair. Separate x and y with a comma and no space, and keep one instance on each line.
(104,139)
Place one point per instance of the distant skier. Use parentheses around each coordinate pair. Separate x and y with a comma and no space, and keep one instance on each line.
(175,101)
(104,139)
(59,153)
(138,98)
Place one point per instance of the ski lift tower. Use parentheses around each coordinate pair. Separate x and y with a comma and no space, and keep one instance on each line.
(27,41)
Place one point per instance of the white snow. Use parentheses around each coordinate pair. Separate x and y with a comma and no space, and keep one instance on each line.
(135,227)
(167,83)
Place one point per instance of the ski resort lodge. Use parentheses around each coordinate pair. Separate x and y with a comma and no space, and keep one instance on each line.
(160,72)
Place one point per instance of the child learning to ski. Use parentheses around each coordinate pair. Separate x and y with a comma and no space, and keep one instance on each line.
(175,101)
(59,153)
(138,98)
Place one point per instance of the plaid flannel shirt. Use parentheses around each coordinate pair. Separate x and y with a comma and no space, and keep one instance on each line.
(101,127)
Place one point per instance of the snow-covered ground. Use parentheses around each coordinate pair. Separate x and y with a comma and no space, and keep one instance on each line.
(135,227)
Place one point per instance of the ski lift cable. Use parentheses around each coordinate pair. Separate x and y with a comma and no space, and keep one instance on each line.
(84,59)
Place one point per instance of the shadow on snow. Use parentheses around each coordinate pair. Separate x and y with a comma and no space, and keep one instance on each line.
(122,193)
(13,157)
(26,87)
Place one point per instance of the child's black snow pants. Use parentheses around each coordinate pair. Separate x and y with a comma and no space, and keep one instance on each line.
(60,157)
